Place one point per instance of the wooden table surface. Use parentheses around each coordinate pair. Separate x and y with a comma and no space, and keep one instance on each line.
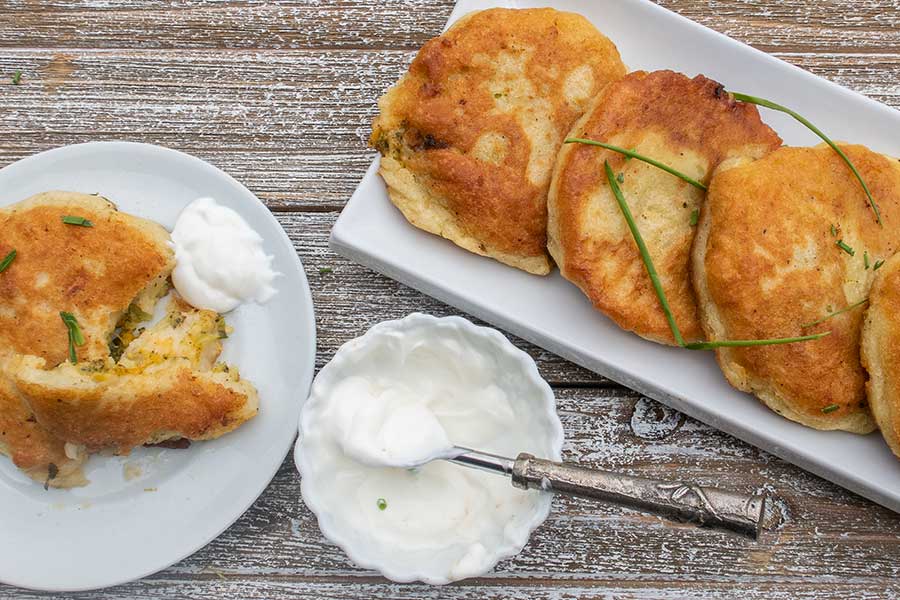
(280,95)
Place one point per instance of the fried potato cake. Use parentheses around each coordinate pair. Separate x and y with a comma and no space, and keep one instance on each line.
(469,135)
(783,242)
(688,124)
(93,272)
(880,351)
(166,386)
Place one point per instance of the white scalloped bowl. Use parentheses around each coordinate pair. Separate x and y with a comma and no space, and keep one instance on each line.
(534,406)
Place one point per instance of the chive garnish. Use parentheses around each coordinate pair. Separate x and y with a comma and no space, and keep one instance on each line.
(843,246)
(633,154)
(381,503)
(7,260)
(17,78)
(620,177)
(878,264)
(661,294)
(645,254)
(76,220)
(325,270)
(695,217)
(746,343)
(866,259)
(52,472)
(836,313)
(75,336)
(769,104)
(833,230)
(830,408)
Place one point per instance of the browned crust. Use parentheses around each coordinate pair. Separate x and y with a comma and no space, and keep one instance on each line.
(880,351)
(432,119)
(92,272)
(769,263)
(690,124)
(132,410)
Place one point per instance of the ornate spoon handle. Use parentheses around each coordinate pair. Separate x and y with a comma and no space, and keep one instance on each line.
(704,506)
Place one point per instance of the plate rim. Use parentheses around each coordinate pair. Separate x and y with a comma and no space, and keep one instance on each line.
(310,343)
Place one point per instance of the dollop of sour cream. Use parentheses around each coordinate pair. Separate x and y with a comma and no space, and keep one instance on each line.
(398,400)
(220,262)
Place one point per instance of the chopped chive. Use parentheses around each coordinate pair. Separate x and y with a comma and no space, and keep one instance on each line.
(878,264)
(661,294)
(843,246)
(695,217)
(381,503)
(866,259)
(633,154)
(645,254)
(325,270)
(7,260)
(52,472)
(833,230)
(835,313)
(620,177)
(747,343)
(627,158)
(17,78)
(76,220)
(769,104)
(75,336)
(830,408)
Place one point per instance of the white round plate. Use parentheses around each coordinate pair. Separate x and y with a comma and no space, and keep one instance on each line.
(173,502)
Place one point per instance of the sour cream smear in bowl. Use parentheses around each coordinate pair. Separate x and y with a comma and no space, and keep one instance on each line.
(406,392)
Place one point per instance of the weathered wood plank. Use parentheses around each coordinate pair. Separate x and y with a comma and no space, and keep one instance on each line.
(868,26)
(291,125)
(211,587)
(859,26)
(820,537)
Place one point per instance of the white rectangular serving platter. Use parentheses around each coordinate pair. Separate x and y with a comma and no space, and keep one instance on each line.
(552,313)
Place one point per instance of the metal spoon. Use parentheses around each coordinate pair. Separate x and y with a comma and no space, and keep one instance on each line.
(681,501)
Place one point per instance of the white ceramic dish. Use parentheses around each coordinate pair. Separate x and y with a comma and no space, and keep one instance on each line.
(114,530)
(553,314)
(535,407)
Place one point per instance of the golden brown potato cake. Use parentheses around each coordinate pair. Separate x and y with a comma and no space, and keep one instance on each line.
(166,386)
(783,242)
(469,135)
(688,124)
(880,351)
(94,272)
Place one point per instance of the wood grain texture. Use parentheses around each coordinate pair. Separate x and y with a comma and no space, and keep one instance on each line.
(292,126)
(280,95)
(801,25)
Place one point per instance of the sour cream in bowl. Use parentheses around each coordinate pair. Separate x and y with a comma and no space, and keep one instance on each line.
(405,392)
